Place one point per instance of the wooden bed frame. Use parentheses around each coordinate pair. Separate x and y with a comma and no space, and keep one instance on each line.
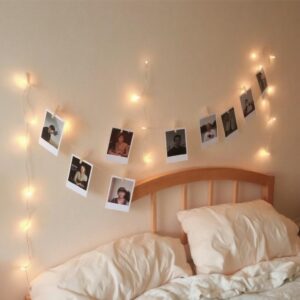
(151,186)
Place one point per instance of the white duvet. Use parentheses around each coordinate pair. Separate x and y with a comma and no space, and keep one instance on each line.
(278,279)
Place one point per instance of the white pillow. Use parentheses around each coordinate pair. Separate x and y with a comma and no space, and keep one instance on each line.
(225,238)
(127,267)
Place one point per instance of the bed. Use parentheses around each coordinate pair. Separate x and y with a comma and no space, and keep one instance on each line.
(268,279)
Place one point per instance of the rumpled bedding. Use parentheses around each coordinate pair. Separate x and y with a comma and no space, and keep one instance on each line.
(263,279)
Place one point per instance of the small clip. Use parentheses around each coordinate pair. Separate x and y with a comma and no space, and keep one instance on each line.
(57,109)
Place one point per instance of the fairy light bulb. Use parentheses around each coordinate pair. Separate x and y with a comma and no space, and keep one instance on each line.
(33,121)
(28,192)
(253,55)
(135,98)
(67,126)
(25,267)
(271,121)
(25,225)
(22,81)
(144,127)
(23,141)
(270,90)
(263,153)
(147,158)
(272,57)
(146,62)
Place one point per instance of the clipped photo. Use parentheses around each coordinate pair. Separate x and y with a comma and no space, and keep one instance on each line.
(229,122)
(79,176)
(262,80)
(119,145)
(208,129)
(176,145)
(247,103)
(52,132)
(120,194)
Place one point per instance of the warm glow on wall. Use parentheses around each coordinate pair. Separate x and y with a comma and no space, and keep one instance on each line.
(272,57)
(144,127)
(33,121)
(25,225)
(67,126)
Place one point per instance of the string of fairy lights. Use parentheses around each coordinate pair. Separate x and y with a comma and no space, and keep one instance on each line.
(25,83)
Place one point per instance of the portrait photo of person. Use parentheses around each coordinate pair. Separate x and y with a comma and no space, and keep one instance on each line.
(229,122)
(176,145)
(79,175)
(247,103)
(208,129)
(120,193)
(262,80)
(119,145)
(52,133)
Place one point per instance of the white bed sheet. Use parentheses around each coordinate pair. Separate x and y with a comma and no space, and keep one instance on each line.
(276,280)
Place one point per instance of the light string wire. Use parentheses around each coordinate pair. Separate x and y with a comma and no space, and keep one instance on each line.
(27,109)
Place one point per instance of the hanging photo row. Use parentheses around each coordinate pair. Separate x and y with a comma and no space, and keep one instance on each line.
(121,141)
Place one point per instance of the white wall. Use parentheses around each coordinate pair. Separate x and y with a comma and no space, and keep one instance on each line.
(87,56)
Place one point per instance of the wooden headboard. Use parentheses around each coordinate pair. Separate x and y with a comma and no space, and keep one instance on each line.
(150,186)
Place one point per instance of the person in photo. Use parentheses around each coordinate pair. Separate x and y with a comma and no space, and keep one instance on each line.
(119,147)
(177,148)
(262,80)
(81,178)
(229,122)
(47,132)
(249,107)
(123,197)
(210,133)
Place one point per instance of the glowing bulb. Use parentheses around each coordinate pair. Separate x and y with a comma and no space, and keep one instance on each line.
(33,121)
(253,55)
(67,125)
(270,90)
(243,89)
(147,158)
(25,225)
(263,153)
(22,81)
(135,98)
(23,141)
(28,192)
(144,128)
(146,62)
(271,121)
(25,267)
(272,57)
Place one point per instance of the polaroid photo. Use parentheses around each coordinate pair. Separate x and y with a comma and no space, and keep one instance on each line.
(79,176)
(120,194)
(262,80)
(176,145)
(209,130)
(247,103)
(52,132)
(229,122)
(119,145)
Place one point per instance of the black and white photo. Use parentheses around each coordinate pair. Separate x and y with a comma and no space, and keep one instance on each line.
(208,129)
(229,122)
(247,103)
(176,145)
(52,132)
(79,175)
(262,80)
(119,145)
(120,193)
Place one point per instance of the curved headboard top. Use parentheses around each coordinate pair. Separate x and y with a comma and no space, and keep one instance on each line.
(183,177)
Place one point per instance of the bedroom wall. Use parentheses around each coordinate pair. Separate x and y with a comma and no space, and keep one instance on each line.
(86,57)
